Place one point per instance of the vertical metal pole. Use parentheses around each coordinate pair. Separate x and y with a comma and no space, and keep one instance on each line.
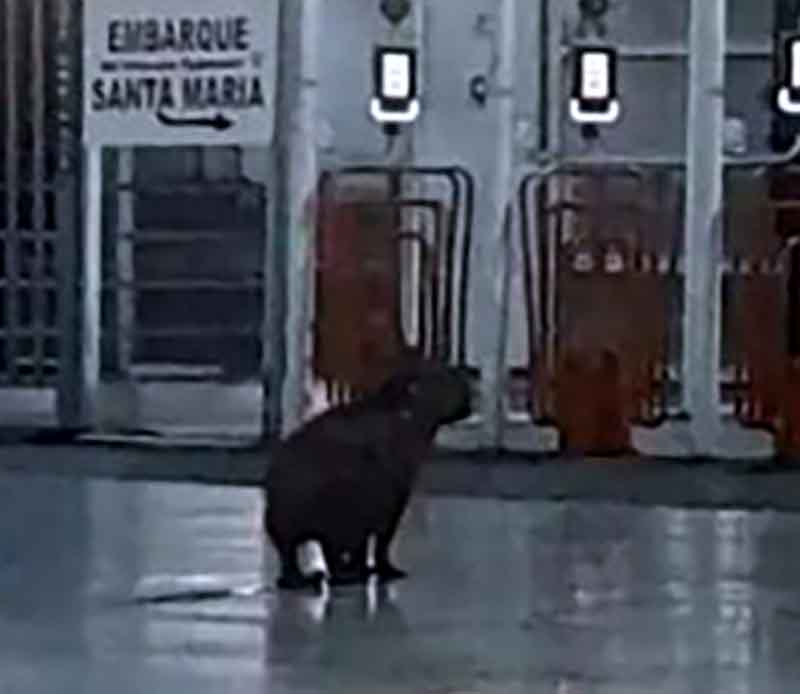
(555,23)
(92,282)
(38,289)
(12,191)
(400,152)
(126,307)
(67,216)
(703,230)
(295,177)
(491,245)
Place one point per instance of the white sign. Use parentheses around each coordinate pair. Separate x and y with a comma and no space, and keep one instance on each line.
(595,76)
(179,72)
(396,75)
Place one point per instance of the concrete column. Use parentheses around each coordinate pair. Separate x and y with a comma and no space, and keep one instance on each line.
(295,178)
(491,250)
(703,222)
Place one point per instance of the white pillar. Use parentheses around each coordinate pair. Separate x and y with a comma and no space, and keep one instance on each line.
(703,222)
(295,184)
(490,243)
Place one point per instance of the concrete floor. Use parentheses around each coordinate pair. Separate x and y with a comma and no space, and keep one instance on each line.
(504,597)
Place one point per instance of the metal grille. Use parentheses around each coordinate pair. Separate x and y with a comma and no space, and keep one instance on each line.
(365,221)
(605,262)
(38,137)
(183,272)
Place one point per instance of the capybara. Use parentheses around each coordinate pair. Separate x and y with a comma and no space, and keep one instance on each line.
(348,474)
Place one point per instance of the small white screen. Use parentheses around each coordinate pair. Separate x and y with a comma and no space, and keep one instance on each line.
(795,66)
(396,75)
(594,70)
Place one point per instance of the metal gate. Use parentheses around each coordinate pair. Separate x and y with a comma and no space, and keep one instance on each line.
(39,192)
(598,294)
(363,227)
(762,317)
(184,267)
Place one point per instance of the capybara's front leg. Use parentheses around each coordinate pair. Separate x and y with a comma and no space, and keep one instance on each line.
(384,567)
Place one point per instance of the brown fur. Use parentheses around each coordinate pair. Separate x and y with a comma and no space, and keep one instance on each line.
(349,473)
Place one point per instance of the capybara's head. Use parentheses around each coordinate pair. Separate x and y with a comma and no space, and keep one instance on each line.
(434,392)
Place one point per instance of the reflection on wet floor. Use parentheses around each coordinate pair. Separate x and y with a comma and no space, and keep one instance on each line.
(504,596)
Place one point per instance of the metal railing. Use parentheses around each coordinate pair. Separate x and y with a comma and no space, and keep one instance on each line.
(454,301)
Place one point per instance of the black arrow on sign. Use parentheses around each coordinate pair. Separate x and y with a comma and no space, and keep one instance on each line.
(217,122)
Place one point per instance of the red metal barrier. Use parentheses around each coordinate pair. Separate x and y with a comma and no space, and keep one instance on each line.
(359,333)
(356,333)
(763,216)
(603,293)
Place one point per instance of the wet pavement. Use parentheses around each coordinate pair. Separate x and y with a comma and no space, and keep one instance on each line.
(505,596)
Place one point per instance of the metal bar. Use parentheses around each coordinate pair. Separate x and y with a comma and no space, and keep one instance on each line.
(555,40)
(198,331)
(12,172)
(466,246)
(437,213)
(420,237)
(67,45)
(124,256)
(29,284)
(31,187)
(273,303)
(551,285)
(157,236)
(530,269)
(38,87)
(449,262)
(111,284)
(92,282)
(47,235)
(679,51)
(187,188)
(580,164)
(29,333)
(703,222)
(502,374)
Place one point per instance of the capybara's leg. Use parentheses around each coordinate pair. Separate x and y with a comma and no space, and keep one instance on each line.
(290,578)
(384,568)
